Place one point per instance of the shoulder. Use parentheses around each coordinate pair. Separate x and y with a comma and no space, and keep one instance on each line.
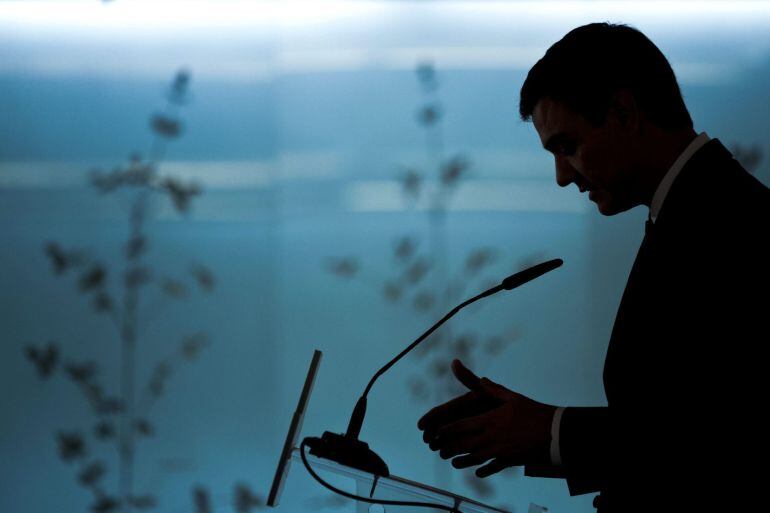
(716,215)
(715,188)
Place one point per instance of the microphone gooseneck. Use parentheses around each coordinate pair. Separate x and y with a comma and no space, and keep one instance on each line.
(509,283)
(347,449)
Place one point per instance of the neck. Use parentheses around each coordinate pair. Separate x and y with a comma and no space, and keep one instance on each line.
(659,152)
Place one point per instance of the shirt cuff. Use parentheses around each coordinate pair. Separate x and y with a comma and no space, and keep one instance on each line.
(555,424)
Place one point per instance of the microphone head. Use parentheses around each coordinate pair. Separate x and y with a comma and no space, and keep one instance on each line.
(522,277)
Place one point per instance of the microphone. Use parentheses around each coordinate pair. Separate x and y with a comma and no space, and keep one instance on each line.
(347,449)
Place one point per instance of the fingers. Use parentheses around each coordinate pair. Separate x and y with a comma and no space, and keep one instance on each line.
(470,460)
(457,432)
(469,443)
(450,410)
(494,466)
(459,429)
(459,438)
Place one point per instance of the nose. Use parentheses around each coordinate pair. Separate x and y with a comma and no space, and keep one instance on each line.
(565,173)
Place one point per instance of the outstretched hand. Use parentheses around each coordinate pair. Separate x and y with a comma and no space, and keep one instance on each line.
(490,422)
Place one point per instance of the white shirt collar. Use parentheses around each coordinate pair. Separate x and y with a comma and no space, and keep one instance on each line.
(676,167)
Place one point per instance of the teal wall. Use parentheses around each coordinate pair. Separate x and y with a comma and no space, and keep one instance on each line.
(298,129)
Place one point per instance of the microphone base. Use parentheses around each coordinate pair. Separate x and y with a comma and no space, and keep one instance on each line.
(347,451)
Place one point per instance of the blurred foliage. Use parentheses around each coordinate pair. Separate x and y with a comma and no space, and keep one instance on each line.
(242,499)
(116,291)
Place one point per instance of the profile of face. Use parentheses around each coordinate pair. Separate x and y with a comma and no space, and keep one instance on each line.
(598,160)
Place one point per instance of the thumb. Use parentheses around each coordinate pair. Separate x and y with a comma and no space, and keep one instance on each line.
(465,376)
(492,389)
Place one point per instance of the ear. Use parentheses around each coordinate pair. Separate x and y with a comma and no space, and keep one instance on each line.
(626,111)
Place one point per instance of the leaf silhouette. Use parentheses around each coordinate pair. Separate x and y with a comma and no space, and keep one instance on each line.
(453,170)
(244,500)
(166,126)
(143,427)
(203,276)
(135,246)
(58,258)
(106,182)
(81,372)
(104,430)
(102,302)
(157,381)
(417,271)
(418,389)
(345,267)
(143,502)
(426,74)
(109,406)
(404,248)
(429,115)
(424,301)
(439,368)
(178,93)
(481,486)
(180,193)
(479,258)
(44,359)
(62,260)
(71,446)
(496,344)
(105,504)
(463,346)
(411,184)
(93,278)
(201,500)
(391,291)
(138,173)
(92,473)
(174,288)
(192,345)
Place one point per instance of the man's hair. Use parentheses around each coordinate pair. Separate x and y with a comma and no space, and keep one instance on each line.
(592,62)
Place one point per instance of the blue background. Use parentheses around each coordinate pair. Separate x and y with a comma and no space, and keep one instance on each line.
(302,117)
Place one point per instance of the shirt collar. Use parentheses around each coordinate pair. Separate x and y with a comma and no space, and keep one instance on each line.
(676,167)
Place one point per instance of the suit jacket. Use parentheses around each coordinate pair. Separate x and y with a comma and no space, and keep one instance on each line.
(684,373)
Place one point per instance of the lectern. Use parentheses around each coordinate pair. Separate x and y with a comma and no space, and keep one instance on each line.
(366,485)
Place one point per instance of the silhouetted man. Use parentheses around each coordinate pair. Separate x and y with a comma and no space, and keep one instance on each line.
(684,371)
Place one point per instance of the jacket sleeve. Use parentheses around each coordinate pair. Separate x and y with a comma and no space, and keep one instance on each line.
(584,438)
(583,444)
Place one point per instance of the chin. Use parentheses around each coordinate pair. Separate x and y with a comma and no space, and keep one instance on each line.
(608,207)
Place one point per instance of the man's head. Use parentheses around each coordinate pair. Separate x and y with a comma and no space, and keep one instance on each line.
(601,99)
